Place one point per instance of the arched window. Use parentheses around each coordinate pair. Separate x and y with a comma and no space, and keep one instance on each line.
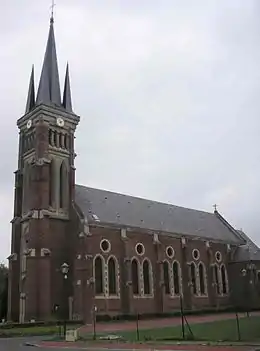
(202,279)
(66,141)
(254,276)
(63,185)
(55,138)
(224,279)
(135,277)
(176,277)
(70,142)
(112,286)
(24,144)
(29,141)
(146,277)
(50,141)
(99,275)
(216,278)
(50,184)
(26,189)
(28,185)
(258,276)
(193,278)
(60,140)
(166,277)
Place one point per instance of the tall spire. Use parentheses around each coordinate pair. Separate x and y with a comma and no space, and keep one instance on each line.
(67,101)
(31,94)
(49,86)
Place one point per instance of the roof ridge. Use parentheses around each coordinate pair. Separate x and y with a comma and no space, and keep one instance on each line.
(248,240)
(227,224)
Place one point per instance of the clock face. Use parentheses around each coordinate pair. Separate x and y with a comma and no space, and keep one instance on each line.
(29,124)
(60,122)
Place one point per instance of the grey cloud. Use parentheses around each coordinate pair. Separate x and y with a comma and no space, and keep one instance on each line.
(168,95)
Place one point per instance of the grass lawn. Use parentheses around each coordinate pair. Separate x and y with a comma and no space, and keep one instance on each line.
(35,330)
(225,330)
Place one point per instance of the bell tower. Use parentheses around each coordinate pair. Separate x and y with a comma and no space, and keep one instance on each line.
(44,194)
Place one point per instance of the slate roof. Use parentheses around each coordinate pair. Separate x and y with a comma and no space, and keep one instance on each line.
(124,210)
(248,252)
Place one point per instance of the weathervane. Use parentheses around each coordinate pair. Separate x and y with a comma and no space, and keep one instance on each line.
(52,10)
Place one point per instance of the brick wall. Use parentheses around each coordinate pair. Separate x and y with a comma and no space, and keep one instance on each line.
(123,248)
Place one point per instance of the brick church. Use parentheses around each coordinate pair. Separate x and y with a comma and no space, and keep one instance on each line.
(75,247)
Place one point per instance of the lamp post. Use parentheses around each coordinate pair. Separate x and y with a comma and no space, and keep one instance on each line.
(182,318)
(247,273)
(64,270)
(94,321)
(244,275)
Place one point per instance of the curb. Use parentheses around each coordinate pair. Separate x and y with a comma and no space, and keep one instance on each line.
(97,349)
(31,344)
(93,348)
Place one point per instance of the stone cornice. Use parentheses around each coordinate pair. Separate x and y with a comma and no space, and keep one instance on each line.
(46,113)
(178,236)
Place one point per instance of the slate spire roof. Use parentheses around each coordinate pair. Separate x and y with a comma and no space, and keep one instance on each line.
(31,94)
(49,92)
(67,102)
(49,85)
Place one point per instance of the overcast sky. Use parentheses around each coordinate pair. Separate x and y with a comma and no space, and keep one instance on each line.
(168,94)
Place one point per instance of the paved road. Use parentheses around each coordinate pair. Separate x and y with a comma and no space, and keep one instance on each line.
(17,344)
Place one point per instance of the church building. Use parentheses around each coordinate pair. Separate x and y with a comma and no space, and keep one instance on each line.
(75,249)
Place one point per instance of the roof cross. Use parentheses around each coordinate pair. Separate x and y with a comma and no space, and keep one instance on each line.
(52,10)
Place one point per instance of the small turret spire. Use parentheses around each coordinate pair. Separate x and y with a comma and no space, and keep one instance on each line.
(49,86)
(67,101)
(31,94)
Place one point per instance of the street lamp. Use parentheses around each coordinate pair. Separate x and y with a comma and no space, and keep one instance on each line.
(243,272)
(65,270)
(244,275)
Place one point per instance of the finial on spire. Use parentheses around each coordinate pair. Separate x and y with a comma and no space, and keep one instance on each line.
(215,208)
(52,11)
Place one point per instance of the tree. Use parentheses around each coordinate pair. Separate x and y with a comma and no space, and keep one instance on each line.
(3,290)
